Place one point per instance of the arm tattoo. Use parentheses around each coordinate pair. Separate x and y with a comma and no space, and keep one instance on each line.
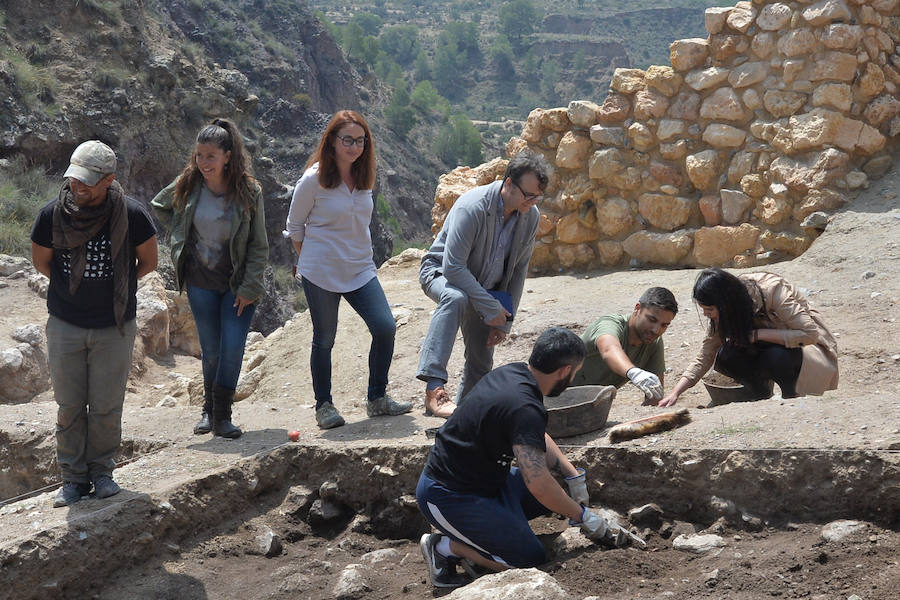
(532,461)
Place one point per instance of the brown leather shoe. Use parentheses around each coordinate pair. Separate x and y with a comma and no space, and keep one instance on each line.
(438,403)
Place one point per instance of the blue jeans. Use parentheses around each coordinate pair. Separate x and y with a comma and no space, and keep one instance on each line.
(369,303)
(222,334)
(496,527)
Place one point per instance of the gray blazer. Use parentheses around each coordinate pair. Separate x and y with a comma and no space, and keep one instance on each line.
(463,246)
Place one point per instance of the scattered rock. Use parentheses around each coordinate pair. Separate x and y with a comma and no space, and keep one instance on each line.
(268,543)
(838,530)
(30,334)
(514,584)
(352,583)
(698,544)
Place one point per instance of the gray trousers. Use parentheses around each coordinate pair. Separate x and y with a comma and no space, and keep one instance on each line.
(454,313)
(88,370)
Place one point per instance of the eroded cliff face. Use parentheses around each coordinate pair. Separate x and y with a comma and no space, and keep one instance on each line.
(735,154)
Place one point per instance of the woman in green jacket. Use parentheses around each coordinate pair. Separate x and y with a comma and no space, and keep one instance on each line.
(214,211)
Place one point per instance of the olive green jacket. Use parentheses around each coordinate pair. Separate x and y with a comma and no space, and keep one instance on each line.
(249,244)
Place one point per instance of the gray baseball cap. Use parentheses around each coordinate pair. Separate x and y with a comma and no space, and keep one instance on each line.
(90,162)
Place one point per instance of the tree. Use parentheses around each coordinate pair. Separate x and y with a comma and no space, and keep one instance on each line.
(549,79)
(399,114)
(456,51)
(458,142)
(500,56)
(426,99)
(517,19)
(421,69)
(370,23)
(402,43)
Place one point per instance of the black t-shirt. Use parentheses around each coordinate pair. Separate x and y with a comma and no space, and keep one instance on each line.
(92,305)
(473,450)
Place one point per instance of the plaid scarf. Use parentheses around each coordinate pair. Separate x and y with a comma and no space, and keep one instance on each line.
(74,226)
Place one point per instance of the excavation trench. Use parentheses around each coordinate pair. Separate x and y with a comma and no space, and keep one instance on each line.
(372,488)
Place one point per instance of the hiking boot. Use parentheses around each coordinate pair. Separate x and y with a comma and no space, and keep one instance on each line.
(204,425)
(104,487)
(327,416)
(70,493)
(438,403)
(441,569)
(387,406)
(223,398)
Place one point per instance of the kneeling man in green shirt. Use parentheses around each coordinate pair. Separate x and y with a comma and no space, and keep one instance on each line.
(620,349)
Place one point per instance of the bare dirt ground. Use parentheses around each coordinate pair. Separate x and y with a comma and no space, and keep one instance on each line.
(850,274)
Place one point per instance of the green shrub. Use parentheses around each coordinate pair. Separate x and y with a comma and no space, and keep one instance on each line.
(284,280)
(23,191)
(111,9)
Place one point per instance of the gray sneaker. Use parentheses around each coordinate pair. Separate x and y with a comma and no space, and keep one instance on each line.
(104,487)
(387,406)
(328,417)
(70,493)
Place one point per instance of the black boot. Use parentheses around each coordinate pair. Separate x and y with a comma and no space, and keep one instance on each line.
(204,426)
(222,401)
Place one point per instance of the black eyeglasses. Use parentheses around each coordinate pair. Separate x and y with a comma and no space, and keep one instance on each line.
(349,140)
(536,198)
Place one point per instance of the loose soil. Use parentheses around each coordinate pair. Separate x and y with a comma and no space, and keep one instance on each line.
(850,275)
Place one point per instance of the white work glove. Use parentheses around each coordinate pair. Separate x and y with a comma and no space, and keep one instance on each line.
(647,382)
(597,529)
(578,487)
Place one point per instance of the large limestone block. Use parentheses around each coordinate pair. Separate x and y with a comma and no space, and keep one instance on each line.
(608,136)
(719,245)
(742,163)
(153,315)
(531,131)
(715,18)
(871,83)
(669,129)
(649,104)
(182,328)
(842,36)
(673,150)
(825,12)
(751,99)
(748,74)
(886,6)
(789,243)
(605,163)
(514,146)
(810,171)
(869,16)
(686,105)
(663,79)
(546,225)
(629,179)
(807,131)
(665,212)
(23,373)
(703,169)
(723,105)
(627,81)
(513,584)
(556,119)
(853,135)
(711,209)
(881,110)
(819,200)
(641,137)
(666,174)
(720,135)
(573,230)
(774,17)
(837,95)
(658,248)
(772,211)
(741,16)
(688,54)
(734,205)
(839,66)
(614,217)
(754,185)
(783,104)
(614,110)
(573,151)
(763,44)
(582,113)
(570,256)
(609,252)
(797,42)
(703,79)
(725,46)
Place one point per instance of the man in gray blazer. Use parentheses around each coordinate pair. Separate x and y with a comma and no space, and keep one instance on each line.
(475,270)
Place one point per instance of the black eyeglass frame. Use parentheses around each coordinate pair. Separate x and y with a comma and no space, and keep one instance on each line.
(536,198)
(348,140)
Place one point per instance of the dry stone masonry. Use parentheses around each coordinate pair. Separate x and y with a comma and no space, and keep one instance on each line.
(734,155)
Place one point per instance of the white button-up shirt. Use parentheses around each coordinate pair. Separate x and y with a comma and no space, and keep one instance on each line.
(334,228)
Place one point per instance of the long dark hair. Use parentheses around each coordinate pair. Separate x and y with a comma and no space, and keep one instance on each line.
(362,169)
(239,179)
(718,288)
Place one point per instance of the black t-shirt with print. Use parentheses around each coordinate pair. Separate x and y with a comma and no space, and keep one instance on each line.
(473,450)
(92,305)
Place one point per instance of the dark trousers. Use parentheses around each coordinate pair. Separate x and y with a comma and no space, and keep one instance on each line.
(759,364)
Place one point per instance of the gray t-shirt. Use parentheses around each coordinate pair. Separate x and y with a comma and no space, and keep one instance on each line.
(209,252)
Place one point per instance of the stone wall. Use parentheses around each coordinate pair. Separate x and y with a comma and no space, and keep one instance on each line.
(734,155)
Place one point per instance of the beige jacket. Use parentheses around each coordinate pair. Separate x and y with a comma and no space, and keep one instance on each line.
(779,305)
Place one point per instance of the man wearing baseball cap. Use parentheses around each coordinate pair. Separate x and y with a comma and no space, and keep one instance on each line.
(93,243)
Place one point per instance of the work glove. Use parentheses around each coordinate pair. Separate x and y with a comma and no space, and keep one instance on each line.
(598,530)
(647,382)
(578,487)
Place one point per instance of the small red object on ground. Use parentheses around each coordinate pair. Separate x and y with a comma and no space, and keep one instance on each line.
(294,435)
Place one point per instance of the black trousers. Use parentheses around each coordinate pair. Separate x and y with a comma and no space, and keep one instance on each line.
(760,363)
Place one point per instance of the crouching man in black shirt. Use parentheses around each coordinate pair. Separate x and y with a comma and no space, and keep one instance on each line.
(471,494)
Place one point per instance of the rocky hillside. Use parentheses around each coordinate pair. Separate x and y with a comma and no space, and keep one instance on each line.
(144,76)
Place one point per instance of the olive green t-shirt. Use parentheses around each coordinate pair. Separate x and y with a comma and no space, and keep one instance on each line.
(595,371)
